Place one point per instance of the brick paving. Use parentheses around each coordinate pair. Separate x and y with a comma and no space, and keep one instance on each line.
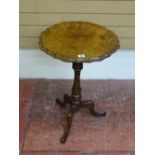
(25,100)
(42,121)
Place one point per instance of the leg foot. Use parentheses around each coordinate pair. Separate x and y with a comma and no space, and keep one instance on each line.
(68,126)
(90,105)
(65,101)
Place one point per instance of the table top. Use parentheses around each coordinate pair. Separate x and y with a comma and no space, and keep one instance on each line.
(78,41)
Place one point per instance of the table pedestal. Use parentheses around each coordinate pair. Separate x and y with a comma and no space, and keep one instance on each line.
(75,101)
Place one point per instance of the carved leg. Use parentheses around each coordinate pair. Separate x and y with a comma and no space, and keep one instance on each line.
(68,126)
(65,101)
(90,105)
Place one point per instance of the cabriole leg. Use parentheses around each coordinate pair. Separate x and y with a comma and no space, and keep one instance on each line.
(66,100)
(90,105)
(68,126)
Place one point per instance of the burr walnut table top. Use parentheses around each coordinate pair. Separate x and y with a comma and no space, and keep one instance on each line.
(78,41)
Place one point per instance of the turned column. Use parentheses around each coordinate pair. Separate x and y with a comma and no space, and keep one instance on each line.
(76,89)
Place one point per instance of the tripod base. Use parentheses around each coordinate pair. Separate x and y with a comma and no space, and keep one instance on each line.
(74,107)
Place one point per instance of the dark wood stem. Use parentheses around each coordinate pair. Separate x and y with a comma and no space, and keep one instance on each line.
(76,89)
(75,101)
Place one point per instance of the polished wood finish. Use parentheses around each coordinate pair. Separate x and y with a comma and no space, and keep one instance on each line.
(75,101)
(78,41)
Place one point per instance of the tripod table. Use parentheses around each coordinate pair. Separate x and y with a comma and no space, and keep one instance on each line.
(78,42)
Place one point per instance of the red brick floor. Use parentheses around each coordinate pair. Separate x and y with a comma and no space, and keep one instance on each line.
(25,100)
(42,121)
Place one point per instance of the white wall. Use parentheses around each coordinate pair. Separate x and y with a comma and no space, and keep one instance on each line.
(36,64)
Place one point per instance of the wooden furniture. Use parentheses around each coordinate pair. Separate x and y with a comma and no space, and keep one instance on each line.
(78,42)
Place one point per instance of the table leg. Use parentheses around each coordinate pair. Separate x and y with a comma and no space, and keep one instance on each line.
(65,101)
(90,105)
(68,126)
